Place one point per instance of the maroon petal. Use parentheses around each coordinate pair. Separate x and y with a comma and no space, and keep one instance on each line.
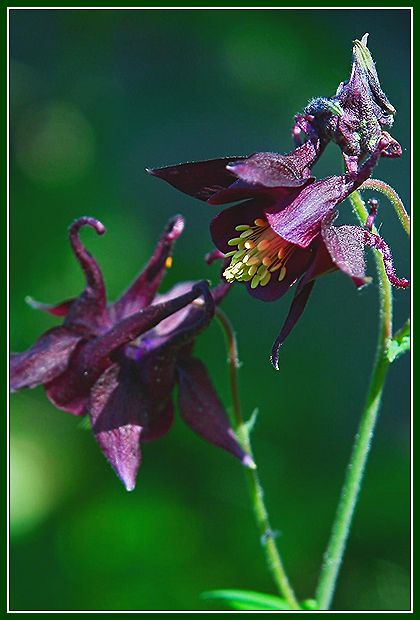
(296,309)
(222,227)
(60,309)
(202,410)
(70,391)
(346,249)
(299,221)
(142,292)
(114,407)
(200,179)
(89,310)
(269,170)
(45,360)
(296,266)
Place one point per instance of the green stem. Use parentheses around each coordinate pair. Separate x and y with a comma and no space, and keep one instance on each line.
(341,527)
(395,200)
(274,561)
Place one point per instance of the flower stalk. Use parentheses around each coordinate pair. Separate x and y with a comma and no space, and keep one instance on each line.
(395,200)
(273,558)
(355,470)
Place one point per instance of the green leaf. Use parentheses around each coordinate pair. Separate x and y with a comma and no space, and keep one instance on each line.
(247,600)
(84,423)
(251,422)
(400,343)
(311,604)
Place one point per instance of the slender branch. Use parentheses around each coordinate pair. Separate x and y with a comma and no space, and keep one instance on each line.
(274,561)
(395,200)
(350,491)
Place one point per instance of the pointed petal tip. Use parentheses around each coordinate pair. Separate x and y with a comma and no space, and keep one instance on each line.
(130,485)
(248,461)
(126,472)
(151,171)
(274,359)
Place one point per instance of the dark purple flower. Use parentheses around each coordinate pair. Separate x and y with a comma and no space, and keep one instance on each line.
(355,117)
(282,229)
(120,363)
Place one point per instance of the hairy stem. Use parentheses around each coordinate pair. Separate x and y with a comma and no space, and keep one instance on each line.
(395,200)
(273,559)
(333,556)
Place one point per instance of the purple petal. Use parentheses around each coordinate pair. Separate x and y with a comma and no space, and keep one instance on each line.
(299,222)
(269,170)
(181,329)
(296,309)
(60,309)
(142,292)
(221,289)
(89,310)
(173,321)
(240,190)
(346,249)
(114,407)
(202,410)
(45,360)
(296,265)
(200,179)
(368,238)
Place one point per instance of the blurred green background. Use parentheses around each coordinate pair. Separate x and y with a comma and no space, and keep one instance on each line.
(96,96)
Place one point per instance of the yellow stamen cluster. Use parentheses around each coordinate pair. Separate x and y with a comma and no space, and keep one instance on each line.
(259,253)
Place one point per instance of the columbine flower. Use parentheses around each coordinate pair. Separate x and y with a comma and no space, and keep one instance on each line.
(119,363)
(282,230)
(355,116)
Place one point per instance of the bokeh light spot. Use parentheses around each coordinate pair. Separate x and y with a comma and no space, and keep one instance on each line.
(32,490)
(54,144)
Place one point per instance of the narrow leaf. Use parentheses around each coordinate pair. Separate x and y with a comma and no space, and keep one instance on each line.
(247,600)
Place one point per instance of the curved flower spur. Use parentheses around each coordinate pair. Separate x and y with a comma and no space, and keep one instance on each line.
(120,363)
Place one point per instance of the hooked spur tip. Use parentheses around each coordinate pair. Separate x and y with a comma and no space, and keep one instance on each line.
(87,221)
(175,227)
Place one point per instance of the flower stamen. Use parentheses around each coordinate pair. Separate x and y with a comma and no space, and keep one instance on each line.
(260,252)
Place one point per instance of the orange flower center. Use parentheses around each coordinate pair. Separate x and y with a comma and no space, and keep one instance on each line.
(260,253)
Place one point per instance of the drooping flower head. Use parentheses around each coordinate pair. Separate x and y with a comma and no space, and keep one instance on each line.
(282,228)
(120,362)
